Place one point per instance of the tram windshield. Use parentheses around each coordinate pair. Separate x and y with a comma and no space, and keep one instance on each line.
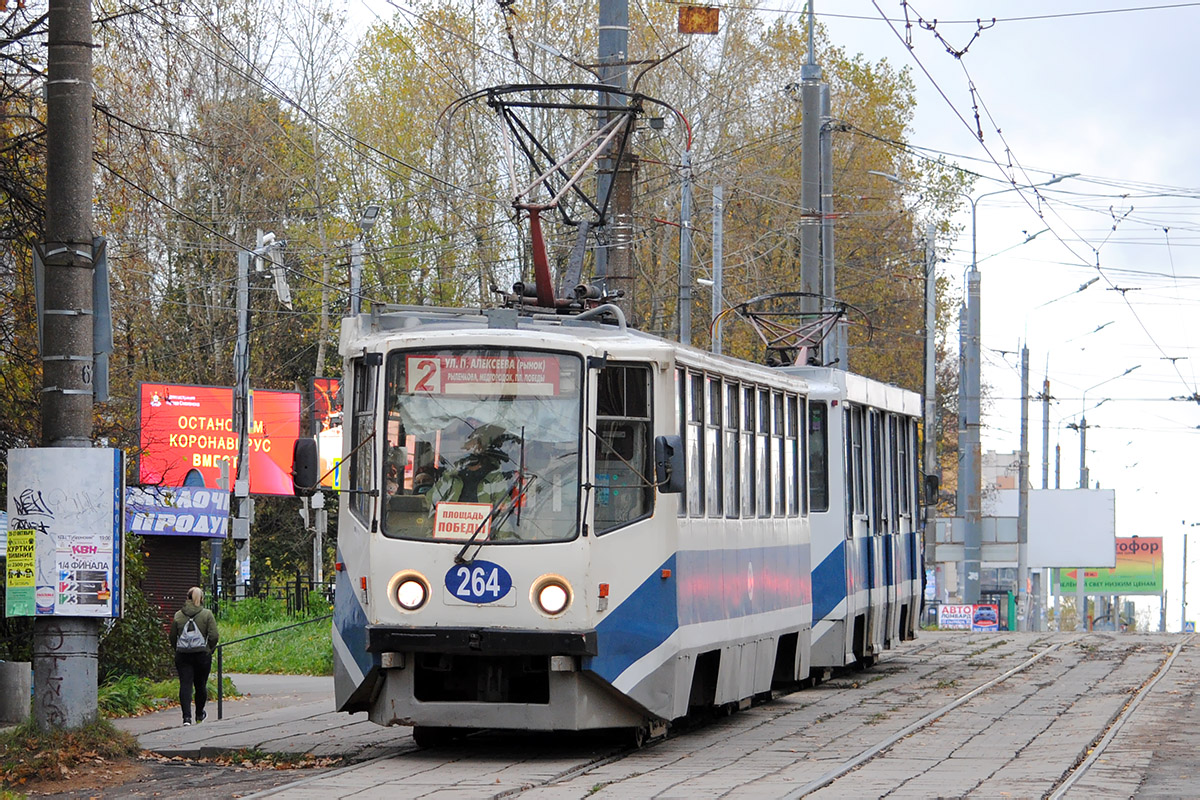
(482,442)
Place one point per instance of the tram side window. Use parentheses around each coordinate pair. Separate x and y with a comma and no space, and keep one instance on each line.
(624,483)
(875,451)
(732,477)
(749,464)
(904,490)
(713,475)
(777,453)
(791,458)
(681,416)
(894,490)
(818,456)
(857,461)
(762,453)
(362,463)
(695,445)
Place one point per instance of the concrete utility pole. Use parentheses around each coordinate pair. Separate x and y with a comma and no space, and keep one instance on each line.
(1023,501)
(1183,588)
(241,505)
(810,181)
(718,287)
(835,344)
(970,466)
(243,413)
(970,477)
(614,262)
(65,648)
(685,252)
(930,461)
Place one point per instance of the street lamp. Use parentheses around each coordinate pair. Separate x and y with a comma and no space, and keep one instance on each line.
(969,468)
(367,221)
(1080,577)
(1082,426)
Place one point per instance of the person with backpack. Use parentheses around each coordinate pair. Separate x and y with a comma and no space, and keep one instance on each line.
(193,635)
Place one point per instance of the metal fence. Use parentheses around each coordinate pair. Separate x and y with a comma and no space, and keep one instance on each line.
(220,655)
(295,592)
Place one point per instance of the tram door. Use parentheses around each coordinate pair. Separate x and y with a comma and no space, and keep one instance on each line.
(878,551)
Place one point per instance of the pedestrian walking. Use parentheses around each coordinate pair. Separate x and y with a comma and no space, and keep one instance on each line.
(193,635)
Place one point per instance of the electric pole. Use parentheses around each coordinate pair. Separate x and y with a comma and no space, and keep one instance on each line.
(65,664)
(810,185)
(614,180)
(1023,605)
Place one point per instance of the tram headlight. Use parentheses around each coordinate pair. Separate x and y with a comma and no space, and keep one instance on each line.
(409,590)
(551,594)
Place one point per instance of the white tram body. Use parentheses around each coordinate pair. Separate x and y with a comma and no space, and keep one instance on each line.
(868,557)
(639,545)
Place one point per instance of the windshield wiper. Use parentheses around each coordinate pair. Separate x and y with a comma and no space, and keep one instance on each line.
(511,501)
(501,511)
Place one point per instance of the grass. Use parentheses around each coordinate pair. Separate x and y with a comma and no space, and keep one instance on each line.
(306,650)
(130,696)
(28,754)
(303,650)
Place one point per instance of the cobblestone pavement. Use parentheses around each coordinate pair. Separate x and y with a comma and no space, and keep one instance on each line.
(1017,738)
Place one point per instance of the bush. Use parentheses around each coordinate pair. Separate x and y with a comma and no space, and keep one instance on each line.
(136,644)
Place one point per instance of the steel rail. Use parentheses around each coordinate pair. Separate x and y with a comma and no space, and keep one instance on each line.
(870,753)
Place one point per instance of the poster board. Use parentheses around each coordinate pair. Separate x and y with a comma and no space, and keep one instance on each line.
(1139,570)
(65,507)
(177,511)
(187,432)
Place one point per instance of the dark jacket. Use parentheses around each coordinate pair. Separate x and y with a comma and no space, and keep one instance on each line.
(205,621)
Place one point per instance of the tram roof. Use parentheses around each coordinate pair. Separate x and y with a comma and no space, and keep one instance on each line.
(831,383)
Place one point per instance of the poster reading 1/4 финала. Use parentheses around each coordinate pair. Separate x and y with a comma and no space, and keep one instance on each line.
(65,521)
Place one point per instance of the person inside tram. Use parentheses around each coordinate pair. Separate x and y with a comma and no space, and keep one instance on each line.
(479,476)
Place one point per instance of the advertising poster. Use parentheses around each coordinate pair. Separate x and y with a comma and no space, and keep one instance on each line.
(955,617)
(177,511)
(985,617)
(69,501)
(1139,570)
(977,617)
(327,428)
(21,561)
(188,431)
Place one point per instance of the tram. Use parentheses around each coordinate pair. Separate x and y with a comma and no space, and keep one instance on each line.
(865,497)
(560,523)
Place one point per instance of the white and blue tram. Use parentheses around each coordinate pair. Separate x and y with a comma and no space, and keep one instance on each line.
(554,523)
(865,486)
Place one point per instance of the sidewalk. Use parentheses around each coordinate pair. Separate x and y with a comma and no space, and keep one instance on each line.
(284,714)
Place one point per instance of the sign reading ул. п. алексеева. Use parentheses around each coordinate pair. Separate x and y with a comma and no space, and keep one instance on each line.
(65,548)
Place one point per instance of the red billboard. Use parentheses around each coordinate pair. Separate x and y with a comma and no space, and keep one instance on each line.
(187,432)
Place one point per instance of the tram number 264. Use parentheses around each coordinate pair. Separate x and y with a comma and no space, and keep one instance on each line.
(478,582)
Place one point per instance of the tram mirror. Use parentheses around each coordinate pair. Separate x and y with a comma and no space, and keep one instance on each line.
(932,484)
(305,468)
(668,464)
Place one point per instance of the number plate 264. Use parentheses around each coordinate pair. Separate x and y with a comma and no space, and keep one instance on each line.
(479,582)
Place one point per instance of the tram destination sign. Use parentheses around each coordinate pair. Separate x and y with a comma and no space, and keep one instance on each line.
(482,374)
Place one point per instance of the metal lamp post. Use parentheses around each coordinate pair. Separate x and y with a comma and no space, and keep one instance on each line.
(1080,575)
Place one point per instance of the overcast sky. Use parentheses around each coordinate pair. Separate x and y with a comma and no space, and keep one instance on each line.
(1112,97)
(1106,91)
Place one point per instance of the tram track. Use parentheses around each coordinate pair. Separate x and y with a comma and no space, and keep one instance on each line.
(1099,746)
(924,722)
(948,715)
